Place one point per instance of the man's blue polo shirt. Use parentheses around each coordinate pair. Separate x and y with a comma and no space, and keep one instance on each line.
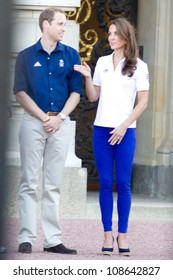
(48,79)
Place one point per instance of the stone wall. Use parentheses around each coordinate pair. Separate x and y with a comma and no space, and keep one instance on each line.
(153,169)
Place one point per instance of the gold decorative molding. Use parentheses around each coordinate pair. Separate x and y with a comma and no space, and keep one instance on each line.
(88,38)
(86,48)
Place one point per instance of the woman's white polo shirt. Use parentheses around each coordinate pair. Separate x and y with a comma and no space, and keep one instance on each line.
(117,91)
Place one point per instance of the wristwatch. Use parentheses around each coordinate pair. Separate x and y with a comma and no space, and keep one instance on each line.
(62,116)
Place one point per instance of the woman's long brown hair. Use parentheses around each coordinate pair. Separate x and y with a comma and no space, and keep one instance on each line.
(127,32)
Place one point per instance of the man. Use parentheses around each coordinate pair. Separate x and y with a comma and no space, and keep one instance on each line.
(48,89)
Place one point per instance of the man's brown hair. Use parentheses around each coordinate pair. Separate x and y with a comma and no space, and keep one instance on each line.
(48,14)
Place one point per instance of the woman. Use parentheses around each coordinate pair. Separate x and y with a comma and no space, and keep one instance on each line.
(119,80)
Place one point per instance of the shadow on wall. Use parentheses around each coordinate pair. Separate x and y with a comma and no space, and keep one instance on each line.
(4,67)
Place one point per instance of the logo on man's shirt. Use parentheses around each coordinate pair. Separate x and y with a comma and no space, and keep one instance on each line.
(61,63)
(37,64)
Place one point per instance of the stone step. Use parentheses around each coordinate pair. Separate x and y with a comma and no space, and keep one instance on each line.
(78,203)
(143,207)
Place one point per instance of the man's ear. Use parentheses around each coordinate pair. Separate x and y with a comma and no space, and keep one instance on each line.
(46,24)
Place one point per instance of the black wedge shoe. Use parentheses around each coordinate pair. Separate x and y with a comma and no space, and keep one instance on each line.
(123,251)
(108,251)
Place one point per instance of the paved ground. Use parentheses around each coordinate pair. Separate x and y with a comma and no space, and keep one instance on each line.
(150,233)
(149,240)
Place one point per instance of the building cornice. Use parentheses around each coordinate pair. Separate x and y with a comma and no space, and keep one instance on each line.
(59,3)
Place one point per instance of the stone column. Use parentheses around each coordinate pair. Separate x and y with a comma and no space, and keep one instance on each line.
(164,154)
(155,133)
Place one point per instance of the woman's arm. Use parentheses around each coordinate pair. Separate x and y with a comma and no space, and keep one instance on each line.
(119,132)
(142,102)
(93,92)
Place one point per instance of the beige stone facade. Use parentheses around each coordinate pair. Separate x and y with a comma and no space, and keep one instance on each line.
(155,129)
(153,168)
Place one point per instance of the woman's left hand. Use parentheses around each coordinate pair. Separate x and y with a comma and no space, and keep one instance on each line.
(117,135)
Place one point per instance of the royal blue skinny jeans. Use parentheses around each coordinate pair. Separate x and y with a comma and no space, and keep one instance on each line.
(114,159)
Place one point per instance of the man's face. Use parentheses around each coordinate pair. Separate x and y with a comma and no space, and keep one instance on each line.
(57,27)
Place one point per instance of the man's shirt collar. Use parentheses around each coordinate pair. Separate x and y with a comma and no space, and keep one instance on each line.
(39,47)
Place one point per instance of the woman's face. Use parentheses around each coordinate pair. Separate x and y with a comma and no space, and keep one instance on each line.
(115,41)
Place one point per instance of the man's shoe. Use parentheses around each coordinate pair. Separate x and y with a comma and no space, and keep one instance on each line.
(2,250)
(61,249)
(25,247)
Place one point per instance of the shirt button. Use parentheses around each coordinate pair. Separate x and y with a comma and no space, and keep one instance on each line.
(52,103)
(51,88)
(50,73)
(48,57)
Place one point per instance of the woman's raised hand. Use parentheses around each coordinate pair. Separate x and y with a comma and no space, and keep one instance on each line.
(84,69)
